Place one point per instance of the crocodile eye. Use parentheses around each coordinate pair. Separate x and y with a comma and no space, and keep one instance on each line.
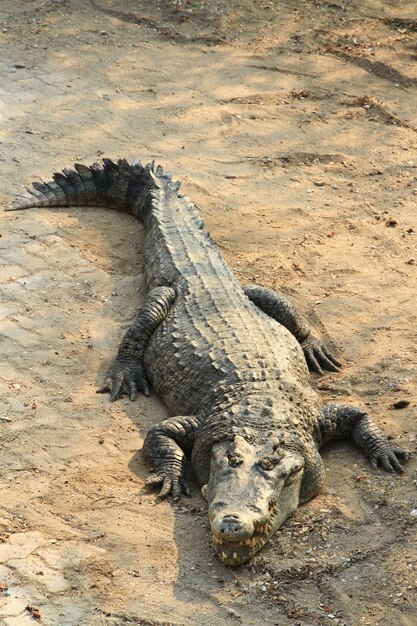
(234,460)
(266,464)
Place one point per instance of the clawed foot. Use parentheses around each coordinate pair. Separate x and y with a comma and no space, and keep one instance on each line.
(125,377)
(176,486)
(388,458)
(318,356)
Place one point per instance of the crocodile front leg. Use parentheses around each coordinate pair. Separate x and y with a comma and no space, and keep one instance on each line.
(344,422)
(127,373)
(277,306)
(164,450)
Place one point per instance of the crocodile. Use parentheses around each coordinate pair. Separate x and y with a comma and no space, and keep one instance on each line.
(231,364)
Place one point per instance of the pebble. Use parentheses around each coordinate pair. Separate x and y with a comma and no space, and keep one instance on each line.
(401,404)
(413,512)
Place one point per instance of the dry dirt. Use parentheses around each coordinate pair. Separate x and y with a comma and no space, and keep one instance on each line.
(292,125)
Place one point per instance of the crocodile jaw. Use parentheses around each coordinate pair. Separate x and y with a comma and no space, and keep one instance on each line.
(247,505)
(237,552)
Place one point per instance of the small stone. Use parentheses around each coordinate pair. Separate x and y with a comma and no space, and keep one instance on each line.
(34,612)
(401,404)
(19,66)
(413,512)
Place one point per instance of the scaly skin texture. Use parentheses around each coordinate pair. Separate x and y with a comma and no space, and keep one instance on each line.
(230,361)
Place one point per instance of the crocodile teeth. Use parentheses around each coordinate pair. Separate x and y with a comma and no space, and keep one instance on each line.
(234,556)
(224,556)
(246,542)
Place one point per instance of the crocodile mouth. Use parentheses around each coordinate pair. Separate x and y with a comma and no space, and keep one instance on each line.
(237,552)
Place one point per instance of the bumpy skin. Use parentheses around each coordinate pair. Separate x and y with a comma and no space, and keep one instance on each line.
(231,361)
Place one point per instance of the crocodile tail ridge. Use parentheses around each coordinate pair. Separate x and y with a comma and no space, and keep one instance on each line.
(119,185)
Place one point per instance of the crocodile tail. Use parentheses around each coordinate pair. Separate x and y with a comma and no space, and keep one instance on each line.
(124,186)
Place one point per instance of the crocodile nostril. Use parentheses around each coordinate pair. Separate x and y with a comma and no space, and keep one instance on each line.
(228,529)
(231,525)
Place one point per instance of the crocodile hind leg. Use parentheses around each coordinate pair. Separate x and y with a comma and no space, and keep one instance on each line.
(275,305)
(164,450)
(127,373)
(338,421)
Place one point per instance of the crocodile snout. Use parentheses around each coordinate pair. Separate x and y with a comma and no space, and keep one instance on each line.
(232,527)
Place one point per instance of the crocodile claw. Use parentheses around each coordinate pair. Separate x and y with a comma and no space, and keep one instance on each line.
(388,458)
(125,377)
(318,357)
(175,486)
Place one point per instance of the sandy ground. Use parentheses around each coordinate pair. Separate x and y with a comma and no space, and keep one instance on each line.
(292,125)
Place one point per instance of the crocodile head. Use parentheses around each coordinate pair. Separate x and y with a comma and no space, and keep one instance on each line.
(252,490)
